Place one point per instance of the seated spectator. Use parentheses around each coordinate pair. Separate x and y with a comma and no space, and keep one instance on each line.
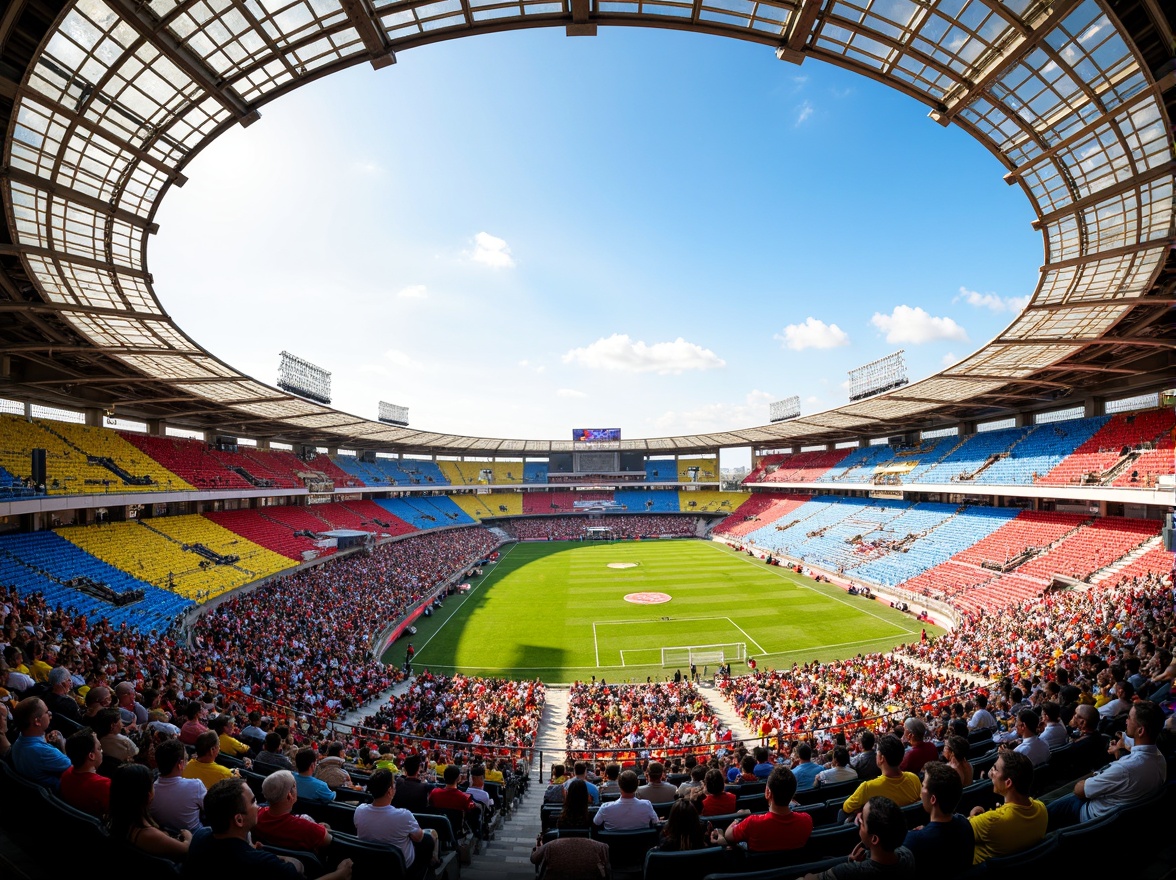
(205,768)
(1054,734)
(1018,823)
(777,829)
(955,755)
(718,801)
(116,746)
(920,751)
(881,853)
(253,734)
(331,769)
(763,763)
(271,757)
(193,726)
(225,727)
(81,786)
(1136,776)
(865,762)
(575,807)
(1031,745)
(803,768)
(982,719)
(381,822)
(310,788)
(36,755)
(130,819)
(682,830)
(477,790)
(59,699)
(452,798)
(610,786)
(656,790)
(944,846)
(412,794)
(629,812)
(693,787)
(581,770)
(276,823)
(839,772)
(902,788)
(1121,704)
(178,801)
(572,858)
(223,849)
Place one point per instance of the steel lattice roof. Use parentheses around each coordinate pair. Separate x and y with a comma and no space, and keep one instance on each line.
(110,99)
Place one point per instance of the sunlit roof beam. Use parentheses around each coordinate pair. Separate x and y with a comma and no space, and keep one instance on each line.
(1136,182)
(1147,341)
(93,349)
(25,308)
(800,29)
(990,66)
(580,26)
(1105,301)
(48,253)
(1107,254)
(374,38)
(16,175)
(138,16)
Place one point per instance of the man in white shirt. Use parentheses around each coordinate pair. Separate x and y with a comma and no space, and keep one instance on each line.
(178,802)
(981,719)
(381,822)
(630,813)
(1055,733)
(1031,745)
(1121,705)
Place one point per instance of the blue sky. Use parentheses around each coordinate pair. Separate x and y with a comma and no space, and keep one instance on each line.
(518,234)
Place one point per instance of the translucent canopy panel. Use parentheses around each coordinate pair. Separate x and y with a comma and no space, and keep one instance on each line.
(121,94)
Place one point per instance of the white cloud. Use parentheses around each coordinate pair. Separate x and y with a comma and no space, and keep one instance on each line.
(403,360)
(948,359)
(570,393)
(492,251)
(753,411)
(413,291)
(812,334)
(991,301)
(368,167)
(915,326)
(619,352)
(802,116)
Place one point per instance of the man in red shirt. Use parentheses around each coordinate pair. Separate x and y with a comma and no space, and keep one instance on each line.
(452,798)
(81,786)
(919,751)
(773,831)
(277,826)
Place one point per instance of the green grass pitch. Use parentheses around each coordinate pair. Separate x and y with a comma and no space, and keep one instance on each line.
(557,611)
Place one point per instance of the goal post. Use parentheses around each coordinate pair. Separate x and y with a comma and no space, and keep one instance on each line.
(685,655)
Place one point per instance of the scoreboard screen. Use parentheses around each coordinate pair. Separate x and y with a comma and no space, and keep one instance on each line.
(596,435)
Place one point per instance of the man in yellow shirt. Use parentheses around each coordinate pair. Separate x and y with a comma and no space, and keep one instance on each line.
(493,774)
(901,787)
(205,768)
(224,727)
(1018,823)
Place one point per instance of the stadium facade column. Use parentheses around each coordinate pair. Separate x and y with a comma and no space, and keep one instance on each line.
(93,417)
(157,427)
(1094,406)
(1023,420)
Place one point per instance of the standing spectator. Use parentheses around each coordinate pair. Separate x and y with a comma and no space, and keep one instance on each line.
(777,829)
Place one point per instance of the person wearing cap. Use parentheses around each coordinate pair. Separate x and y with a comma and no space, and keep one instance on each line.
(38,755)
(59,701)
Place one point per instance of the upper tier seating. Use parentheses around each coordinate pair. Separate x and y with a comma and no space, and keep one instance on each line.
(1151,464)
(12,486)
(858,466)
(535,472)
(506,473)
(708,470)
(42,562)
(1039,452)
(560,501)
(661,470)
(393,472)
(803,467)
(426,512)
(257,467)
(1090,461)
(464,473)
(325,465)
(190,459)
(758,510)
(493,504)
(710,501)
(274,527)
(68,470)
(970,457)
(648,500)
(154,552)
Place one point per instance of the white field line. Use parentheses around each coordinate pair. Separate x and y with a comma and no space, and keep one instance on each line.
(458,608)
(758,646)
(805,586)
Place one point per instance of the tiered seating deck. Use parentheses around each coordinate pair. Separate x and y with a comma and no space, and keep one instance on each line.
(759,510)
(1091,547)
(710,501)
(708,470)
(648,500)
(560,501)
(273,530)
(190,459)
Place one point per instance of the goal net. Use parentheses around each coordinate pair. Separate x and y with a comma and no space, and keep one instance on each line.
(684,655)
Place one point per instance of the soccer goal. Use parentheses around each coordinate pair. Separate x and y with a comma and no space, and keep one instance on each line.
(685,655)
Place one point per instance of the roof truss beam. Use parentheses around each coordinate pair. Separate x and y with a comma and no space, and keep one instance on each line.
(367,25)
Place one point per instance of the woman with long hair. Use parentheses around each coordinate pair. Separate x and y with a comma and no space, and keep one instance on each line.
(575,806)
(131,791)
(682,830)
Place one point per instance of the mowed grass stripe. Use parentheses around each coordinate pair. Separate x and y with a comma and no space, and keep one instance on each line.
(533,613)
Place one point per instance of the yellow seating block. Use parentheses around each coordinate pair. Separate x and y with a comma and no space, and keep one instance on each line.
(710,501)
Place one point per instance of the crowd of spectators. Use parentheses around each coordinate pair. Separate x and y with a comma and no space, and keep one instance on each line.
(463,709)
(570,528)
(652,717)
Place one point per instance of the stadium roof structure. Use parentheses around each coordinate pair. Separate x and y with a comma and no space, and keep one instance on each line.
(106,102)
